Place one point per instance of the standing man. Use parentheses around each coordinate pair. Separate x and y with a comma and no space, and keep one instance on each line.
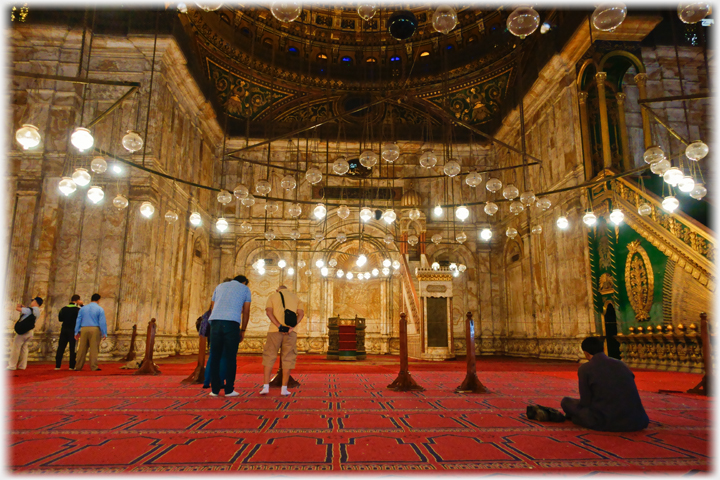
(281,307)
(90,328)
(67,316)
(21,342)
(609,399)
(230,307)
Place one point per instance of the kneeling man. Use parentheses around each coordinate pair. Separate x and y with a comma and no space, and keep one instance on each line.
(281,307)
(609,400)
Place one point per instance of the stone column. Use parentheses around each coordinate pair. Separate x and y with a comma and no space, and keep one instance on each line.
(620,97)
(585,129)
(421,243)
(641,82)
(600,81)
(403,246)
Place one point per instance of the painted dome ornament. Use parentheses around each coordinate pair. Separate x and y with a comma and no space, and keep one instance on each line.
(660,167)
(288,182)
(82,139)
(195,219)
(120,201)
(523,21)
(171,216)
(608,16)
(95,194)
(693,12)
(246,227)
(461,237)
(98,165)
(248,201)
(81,177)
(510,192)
(294,234)
(132,141)
(516,207)
(444,19)
(589,219)
(221,224)
(402,25)
(428,159)
(653,154)
(452,168)
(263,187)
(527,198)
(67,186)
(490,208)
(493,185)
(436,239)
(390,152)
(343,212)
(28,136)
(313,175)
(414,214)
(698,192)
(473,179)
(240,192)
(341,237)
(341,166)
(413,240)
(270,235)
(368,159)
(367,11)
(511,232)
(224,197)
(644,209)
(295,210)
(697,150)
(286,11)
(670,203)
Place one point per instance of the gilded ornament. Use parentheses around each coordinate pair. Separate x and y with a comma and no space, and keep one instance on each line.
(639,281)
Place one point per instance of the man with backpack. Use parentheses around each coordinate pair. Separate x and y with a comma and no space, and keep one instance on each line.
(67,316)
(23,334)
(283,310)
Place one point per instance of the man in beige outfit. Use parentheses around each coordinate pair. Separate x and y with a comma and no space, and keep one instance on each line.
(281,336)
(90,329)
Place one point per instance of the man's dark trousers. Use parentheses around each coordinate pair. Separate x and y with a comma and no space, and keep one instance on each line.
(66,337)
(225,340)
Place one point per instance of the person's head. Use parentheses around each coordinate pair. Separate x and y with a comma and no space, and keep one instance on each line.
(95,297)
(242,279)
(281,287)
(36,302)
(74,298)
(592,345)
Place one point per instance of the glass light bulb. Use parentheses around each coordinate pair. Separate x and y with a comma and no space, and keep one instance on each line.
(132,141)
(341,166)
(452,168)
(687,184)
(294,234)
(660,167)
(282,263)
(436,239)
(543,203)
(389,239)
(438,211)
(269,235)
(444,19)
(308,272)
(493,185)
(195,219)
(290,271)
(224,197)
(368,159)
(414,214)
(82,139)
(319,211)
(386,271)
(435,266)
(453,266)
(81,177)
(462,213)
(320,263)
(263,187)
(340,273)
(366,11)
(271,207)
(396,264)
(428,159)
(288,182)
(698,192)
(589,219)
(486,234)
(245,227)
(390,152)
(693,12)
(116,168)
(490,208)
(209,6)
(461,237)
(261,271)
(98,165)
(343,212)
(562,223)
(389,216)
(324,271)
(286,11)
(319,236)
(147,209)
(455,273)
(673,176)
(375,272)
(295,210)
(653,154)
(366,214)
(67,186)
(248,201)
(644,209)
(461,268)
(28,136)
(95,194)
(386,262)
(697,150)
(333,262)
(617,216)
(510,192)
(527,198)
(536,229)
(413,240)
(511,232)
(221,224)
(516,207)
(301,263)
(341,237)
(607,17)
(473,179)
(240,192)
(523,21)
(349,276)
(670,203)
(171,216)
(120,201)
(313,175)
(361,260)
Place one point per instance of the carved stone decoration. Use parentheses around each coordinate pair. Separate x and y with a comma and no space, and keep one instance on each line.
(639,280)
(607,286)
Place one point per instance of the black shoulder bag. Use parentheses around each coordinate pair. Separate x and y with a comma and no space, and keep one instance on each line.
(290,316)
(24,325)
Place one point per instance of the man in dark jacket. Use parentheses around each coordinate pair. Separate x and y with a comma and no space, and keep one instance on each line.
(609,400)
(67,316)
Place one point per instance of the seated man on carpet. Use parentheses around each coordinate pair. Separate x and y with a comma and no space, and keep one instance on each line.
(609,399)
(283,310)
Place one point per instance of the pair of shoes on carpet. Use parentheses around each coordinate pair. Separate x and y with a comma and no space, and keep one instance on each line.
(11,368)
(57,368)
(231,394)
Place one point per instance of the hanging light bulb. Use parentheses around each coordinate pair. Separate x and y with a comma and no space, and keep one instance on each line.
(435,266)
(209,6)
(510,192)
(98,165)
(81,177)
(182,8)
(375,272)
(67,186)
(319,211)
(389,239)
(462,213)
(82,139)
(341,166)
(562,223)
(543,203)
(340,273)
(319,236)
(95,194)
(246,227)
(390,152)
(589,219)
(516,207)
(438,211)
(670,203)
(511,232)
(693,12)
(452,168)
(396,264)
(490,208)
(607,17)
(428,159)
(527,198)
(461,268)
(368,159)
(414,214)
(453,266)
(263,187)
(147,209)
(413,240)
(385,271)
(271,207)
(324,271)
(282,263)
(361,260)
(617,216)
(294,234)
(444,19)
(493,185)
(270,235)
(313,175)
(120,202)
(132,141)
(224,197)
(116,168)
(687,184)
(288,182)
(195,219)
(286,11)
(486,234)
(341,237)
(28,136)
(248,201)
(386,262)
(221,224)
(295,210)
(366,214)
(461,237)
(366,11)
(320,263)
(653,154)
(536,229)
(660,167)
(436,239)
(343,212)
(698,192)
(301,263)
(290,271)
(240,192)
(697,150)
(644,209)
(171,216)
(333,262)
(389,216)
(673,176)
(455,273)
(473,179)
(308,272)
(261,271)
(523,21)
(349,275)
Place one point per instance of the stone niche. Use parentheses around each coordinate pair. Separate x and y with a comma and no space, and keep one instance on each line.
(436,295)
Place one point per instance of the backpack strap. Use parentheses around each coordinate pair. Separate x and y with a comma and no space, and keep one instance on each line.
(283,299)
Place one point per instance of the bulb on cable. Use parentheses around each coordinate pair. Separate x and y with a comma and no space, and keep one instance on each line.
(171,216)
(98,165)
(246,227)
(436,239)
(286,11)
(290,271)
(195,219)
(562,223)
(413,240)
(82,139)
(698,192)
(81,177)
(493,185)
(461,237)
(589,219)
(67,186)
(660,167)
(687,184)
(486,234)
(428,159)
(653,154)
(333,262)
(95,194)
(396,264)
(271,207)
(361,260)
(295,210)
(313,175)
(366,214)
(282,263)
(697,150)
(340,273)
(263,187)
(389,216)
(523,21)
(294,234)
(511,232)
(270,235)
(368,159)
(386,262)
(644,209)
(389,239)
(473,179)
(221,224)
(28,136)
(288,182)
(461,268)
(224,197)
(375,272)
(343,211)
(120,201)
(437,211)
(490,208)
(414,214)
(240,192)
(341,237)
(670,203)
(132,141)
(452,168)
(390,152)
(516,207)
(301,263)
(435,266)
(319,211)
(617,216)
(349,275)
(527,198)
(510,192)
(444,19)
(607,17)
(537,229)
(693,12)
(319,236)
(386,271)
(673,176)
(462,213)
(453,266)
(324,271)
(248,201)
(341,166)
(147,209)
(320,263)
(543,203)
(366,11)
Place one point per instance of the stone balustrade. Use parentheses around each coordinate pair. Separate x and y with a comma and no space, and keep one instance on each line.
(670,348)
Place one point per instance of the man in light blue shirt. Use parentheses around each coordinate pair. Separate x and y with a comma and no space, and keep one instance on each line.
(90,328)
(229,318)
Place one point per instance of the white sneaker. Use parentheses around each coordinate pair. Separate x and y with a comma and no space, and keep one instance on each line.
(264,391)
(285,392)
(232,394)
(11,368)
(57,369)
(214,394)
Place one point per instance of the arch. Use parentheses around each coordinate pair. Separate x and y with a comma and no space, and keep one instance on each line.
(371,60)
(511,246)
(347,60)
(268,42)
(621,53)
(581,72)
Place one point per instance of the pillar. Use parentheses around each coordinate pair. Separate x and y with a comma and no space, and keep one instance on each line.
(641,82)
(600,81)
(585,132)
(421,243)
(620,97)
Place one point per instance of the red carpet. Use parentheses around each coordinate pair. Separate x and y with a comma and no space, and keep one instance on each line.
(341,418)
